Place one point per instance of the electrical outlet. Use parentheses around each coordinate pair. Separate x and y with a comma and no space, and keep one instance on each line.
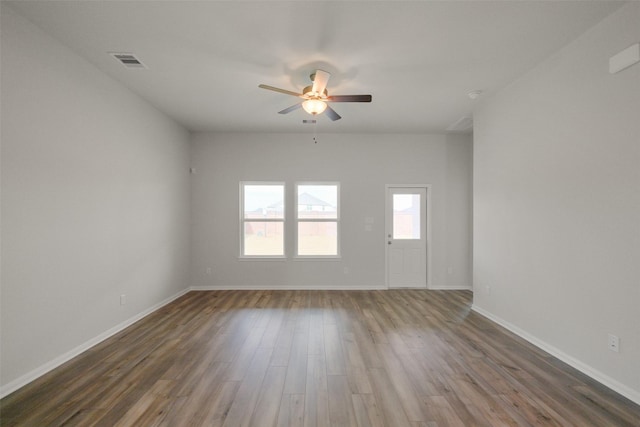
(208,270)
(614,343)
(346,270)
(123,299)
(487,289)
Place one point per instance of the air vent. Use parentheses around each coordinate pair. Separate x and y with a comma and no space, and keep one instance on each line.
(309,122)
(129,60)
(462,125)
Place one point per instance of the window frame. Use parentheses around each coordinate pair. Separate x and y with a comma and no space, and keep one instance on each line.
(297,221)
(282,220)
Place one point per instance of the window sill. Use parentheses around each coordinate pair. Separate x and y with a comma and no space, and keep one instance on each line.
(317,258)
(261,258)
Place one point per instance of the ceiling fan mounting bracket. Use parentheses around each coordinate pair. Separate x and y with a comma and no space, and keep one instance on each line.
(309,91)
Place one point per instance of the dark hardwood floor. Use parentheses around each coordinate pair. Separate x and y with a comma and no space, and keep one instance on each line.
(316,358)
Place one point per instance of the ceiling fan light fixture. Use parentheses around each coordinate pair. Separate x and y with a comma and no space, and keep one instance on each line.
(314,106)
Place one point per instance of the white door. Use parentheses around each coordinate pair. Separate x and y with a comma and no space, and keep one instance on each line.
(406,232)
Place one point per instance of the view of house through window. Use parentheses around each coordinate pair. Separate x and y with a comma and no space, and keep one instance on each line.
(406,216)
(262,219)
(263,223)
(317,217)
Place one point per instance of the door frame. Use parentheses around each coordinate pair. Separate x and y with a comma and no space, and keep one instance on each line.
(387,227)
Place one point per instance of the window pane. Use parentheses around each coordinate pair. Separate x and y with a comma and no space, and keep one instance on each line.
(318,201)
(406,216)
(263,238)
(264,201)
(317,238)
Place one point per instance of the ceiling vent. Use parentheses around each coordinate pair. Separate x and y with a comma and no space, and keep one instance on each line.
(464,124)
(129,60)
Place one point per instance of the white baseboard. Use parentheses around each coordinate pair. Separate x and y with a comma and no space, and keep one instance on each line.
(320,288)
(49,366)
(451,288)
(603,379)
(290,288)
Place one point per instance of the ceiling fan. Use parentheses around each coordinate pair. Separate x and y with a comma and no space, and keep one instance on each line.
(316,96)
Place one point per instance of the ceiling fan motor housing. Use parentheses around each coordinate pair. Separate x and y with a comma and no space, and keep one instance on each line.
(308,90)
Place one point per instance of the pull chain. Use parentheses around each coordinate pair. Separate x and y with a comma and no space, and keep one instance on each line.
(315,132)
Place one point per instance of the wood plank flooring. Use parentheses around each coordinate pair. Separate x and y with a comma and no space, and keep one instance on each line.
(398,358)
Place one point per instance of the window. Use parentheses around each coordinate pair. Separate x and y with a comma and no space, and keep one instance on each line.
(317,219)
(262,219)
(406,217)
(263,222)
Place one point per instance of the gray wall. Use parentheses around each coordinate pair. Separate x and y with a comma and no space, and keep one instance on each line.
(557,204)
(363,164)
(95,192)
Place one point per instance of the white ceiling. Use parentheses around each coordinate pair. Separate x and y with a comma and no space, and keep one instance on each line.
(418,59)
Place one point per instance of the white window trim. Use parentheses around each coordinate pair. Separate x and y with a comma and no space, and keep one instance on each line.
(242,256)
(297,220)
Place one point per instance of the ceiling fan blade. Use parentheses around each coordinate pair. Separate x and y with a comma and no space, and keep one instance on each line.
(349,98)
(331,113)
(320,80)
(276,89)
(290,109)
